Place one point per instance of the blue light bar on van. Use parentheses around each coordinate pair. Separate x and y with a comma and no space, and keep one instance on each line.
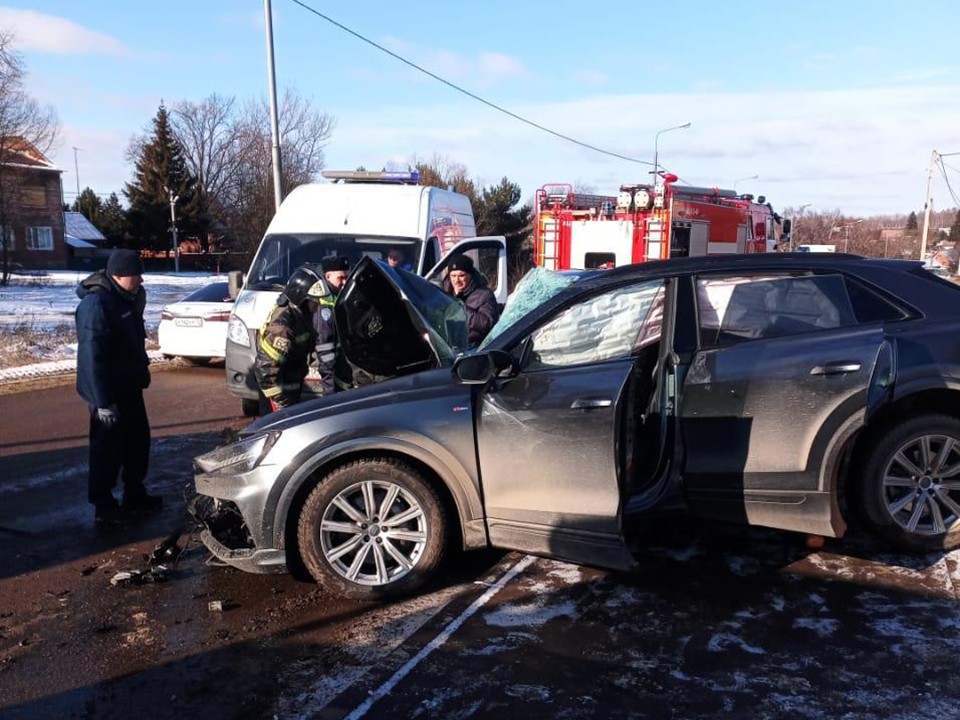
(365,176)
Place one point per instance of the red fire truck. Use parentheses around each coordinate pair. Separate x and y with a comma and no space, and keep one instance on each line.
(645,222)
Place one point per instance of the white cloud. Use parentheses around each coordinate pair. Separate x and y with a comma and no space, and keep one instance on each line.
(39,32)
(484,70)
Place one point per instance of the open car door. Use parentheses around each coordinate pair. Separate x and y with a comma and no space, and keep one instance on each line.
(552,435)
(392,322)
(489,255)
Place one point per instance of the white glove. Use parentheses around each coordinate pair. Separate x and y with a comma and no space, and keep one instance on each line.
(108,416)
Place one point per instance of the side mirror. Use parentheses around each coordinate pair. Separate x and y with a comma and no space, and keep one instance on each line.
(503,360)
(476,369)
(235,282)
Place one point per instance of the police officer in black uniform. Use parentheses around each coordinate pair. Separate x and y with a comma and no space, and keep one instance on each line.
(325,363)
(112,374)
(288,337)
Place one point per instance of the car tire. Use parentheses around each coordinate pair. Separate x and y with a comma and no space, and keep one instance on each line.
(344,544)
(909,490)
(250,408)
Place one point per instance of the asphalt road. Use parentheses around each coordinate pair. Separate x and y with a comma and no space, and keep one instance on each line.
(747,623)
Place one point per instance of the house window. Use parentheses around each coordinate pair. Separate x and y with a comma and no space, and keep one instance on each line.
(39,238)
(6,237)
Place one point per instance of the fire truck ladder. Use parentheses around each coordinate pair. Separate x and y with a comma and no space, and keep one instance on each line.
(549,242)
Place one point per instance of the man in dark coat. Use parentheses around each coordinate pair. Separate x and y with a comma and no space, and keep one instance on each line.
(287,339)
(469,286)
(112,374)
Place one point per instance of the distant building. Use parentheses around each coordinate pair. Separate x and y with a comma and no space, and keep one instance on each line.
(34,232)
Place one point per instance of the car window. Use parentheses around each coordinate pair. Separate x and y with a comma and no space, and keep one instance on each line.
(215,292)
(603,327)
(870,306)
(740,309)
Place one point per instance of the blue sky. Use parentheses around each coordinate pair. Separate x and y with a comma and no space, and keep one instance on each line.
(833,104)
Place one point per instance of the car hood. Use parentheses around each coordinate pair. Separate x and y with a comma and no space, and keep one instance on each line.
(392,322)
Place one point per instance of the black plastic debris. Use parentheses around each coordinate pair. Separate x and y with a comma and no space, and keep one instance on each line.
(167,552)
(128,578)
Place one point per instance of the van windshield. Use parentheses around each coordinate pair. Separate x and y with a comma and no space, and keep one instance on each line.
(279,255)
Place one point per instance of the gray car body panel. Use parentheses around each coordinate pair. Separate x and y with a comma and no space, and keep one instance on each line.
(796,491)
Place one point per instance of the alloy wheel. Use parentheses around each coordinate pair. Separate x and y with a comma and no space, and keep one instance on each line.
(921,484)
(373,532)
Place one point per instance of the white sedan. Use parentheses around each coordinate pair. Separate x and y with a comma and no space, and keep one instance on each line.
(195,327)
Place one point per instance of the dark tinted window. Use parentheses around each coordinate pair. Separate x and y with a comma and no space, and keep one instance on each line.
(870,307)
(738,309)
(215,292)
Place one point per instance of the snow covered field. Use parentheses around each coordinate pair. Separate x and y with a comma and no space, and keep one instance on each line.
(36,317)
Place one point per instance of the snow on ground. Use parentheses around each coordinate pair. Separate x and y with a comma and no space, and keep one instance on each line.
(38,309)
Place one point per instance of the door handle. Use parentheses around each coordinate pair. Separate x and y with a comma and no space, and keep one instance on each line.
(840,368)
(590,403)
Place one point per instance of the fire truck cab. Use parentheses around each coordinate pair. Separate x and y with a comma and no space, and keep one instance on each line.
(648,222)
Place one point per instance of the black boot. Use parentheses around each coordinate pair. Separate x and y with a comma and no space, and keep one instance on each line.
(109,514)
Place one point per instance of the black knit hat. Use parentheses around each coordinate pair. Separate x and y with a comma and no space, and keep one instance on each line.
(335,263)
(463,263)
(123,263)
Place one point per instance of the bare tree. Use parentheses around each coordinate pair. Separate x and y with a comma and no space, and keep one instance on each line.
(22,119)
(228,148)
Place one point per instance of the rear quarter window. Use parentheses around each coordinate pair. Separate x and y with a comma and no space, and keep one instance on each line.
(870,306)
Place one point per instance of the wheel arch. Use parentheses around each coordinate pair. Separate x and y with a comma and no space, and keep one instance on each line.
(923,401)
(459,494)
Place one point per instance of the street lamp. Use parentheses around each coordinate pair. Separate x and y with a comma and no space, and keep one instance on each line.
(749,177)
(846,232)
(173,225)
(796,217)
(656,138)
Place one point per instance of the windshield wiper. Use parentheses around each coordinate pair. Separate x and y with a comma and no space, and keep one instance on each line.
(266,286)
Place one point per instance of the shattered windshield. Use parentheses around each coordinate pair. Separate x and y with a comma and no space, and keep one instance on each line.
(536,288)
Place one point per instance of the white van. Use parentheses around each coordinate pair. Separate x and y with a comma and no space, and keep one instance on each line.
(816,248)
(361,214)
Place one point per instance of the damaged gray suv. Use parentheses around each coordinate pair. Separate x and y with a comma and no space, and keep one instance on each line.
(784,390)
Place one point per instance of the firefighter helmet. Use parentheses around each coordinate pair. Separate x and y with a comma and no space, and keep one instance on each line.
(305,284)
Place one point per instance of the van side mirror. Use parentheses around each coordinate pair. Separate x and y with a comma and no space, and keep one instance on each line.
(234,283)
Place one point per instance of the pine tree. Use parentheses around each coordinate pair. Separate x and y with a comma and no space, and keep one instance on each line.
(113,221)
(912,221)
(160,169)
(89,205)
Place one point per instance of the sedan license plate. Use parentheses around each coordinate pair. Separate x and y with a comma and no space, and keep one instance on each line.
(188,322)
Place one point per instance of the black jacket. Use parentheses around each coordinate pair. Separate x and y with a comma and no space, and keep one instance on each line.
(111,357)
(482,309)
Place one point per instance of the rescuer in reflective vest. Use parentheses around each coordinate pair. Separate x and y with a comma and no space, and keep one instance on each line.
(288,337)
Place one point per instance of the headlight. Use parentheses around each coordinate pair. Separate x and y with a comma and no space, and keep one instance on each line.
(237,331)
(241,456)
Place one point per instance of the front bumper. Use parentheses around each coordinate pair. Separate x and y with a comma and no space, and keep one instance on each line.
(239,361)
(228,530)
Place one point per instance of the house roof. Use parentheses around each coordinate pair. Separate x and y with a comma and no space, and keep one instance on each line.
(78,243)
(79,227)
(17,151)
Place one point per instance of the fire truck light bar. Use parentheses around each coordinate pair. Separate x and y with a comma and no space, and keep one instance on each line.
(372,177)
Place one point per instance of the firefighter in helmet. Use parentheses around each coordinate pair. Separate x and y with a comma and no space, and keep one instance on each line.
(287,338)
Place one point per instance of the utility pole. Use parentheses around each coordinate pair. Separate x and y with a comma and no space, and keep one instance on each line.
(274,123)
(926,208)
(76,169)
(173,225)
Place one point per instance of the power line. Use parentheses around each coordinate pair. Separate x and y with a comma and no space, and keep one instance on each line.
(943,171)
(469,94)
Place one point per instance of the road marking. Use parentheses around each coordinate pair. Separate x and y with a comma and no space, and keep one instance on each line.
(440,639)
